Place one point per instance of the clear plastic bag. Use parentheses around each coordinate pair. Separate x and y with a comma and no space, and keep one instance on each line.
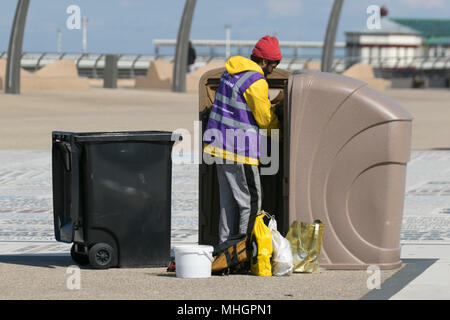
(282,262)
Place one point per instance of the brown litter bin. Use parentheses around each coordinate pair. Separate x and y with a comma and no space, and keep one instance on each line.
(342,160)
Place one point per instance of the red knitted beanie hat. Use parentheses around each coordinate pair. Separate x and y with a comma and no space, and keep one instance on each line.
(267,48)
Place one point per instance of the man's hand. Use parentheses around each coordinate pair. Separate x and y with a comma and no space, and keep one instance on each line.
(279,111)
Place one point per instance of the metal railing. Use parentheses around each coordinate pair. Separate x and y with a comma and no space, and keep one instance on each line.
(246,43)
(217,48)
(133,65)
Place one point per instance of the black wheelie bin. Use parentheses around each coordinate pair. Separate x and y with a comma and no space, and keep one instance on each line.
(112,196)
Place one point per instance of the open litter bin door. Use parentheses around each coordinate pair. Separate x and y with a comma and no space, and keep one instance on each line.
(349,146)
(112,196)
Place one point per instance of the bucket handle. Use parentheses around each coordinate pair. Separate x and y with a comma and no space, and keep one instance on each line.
(208,255)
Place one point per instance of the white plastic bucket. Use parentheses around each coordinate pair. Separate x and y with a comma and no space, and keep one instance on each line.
(193,261)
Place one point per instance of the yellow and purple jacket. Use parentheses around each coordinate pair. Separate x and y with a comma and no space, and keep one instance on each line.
(241,106)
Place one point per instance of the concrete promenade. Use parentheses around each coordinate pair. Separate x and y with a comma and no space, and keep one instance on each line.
(34,266)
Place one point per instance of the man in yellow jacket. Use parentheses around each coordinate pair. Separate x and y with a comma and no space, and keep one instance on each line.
(241,108)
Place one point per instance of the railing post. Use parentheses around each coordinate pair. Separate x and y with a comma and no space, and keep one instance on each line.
(132,73)
(12,79)
(182,48)
(328,45)
(36,67)
(110,72)
(94,70)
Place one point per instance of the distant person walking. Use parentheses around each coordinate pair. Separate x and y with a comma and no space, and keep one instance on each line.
(191,57)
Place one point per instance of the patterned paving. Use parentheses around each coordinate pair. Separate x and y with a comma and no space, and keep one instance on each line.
(26,208)
(427,200)
(26,204)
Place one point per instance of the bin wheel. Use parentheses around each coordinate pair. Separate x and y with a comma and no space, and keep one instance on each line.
(101,256)
(79,258)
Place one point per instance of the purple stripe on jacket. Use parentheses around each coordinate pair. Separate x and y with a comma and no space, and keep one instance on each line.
(243,143)
(234,113)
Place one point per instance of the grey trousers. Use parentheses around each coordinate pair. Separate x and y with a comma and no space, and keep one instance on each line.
(240,198)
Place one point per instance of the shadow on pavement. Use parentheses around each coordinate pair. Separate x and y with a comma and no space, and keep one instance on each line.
(413,268)
(38,260)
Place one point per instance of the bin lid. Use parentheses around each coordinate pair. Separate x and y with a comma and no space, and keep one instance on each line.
(119,136)
(313,87)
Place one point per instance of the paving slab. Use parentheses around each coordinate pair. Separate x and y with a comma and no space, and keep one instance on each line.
(34,266)
(26,202)
(28,248)
(433,284)
(46,277)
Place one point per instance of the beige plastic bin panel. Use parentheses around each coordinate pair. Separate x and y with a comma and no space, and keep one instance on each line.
(349,146)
